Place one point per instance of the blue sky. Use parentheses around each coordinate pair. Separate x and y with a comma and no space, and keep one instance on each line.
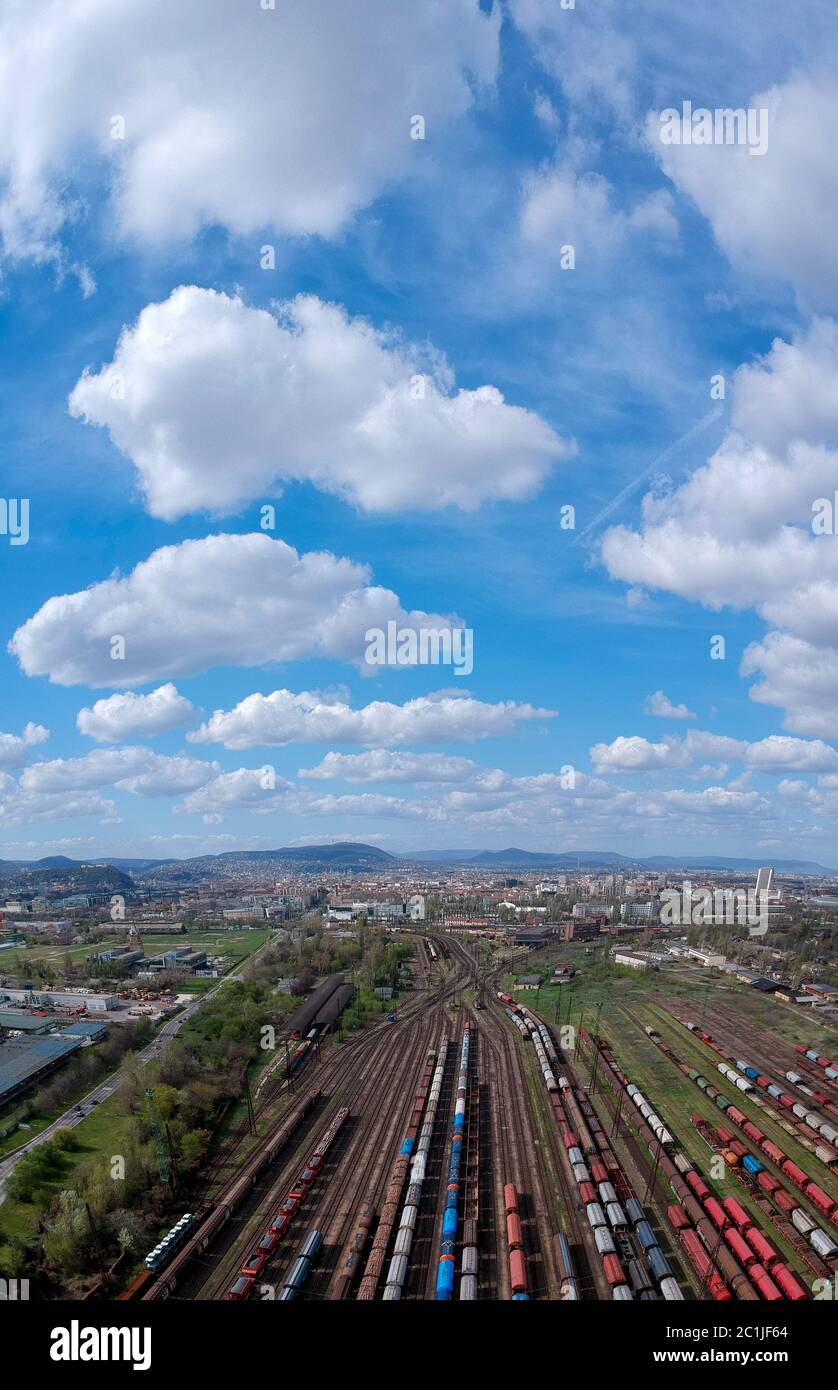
(135,264)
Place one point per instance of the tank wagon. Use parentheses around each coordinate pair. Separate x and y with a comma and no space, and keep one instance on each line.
(299,1271)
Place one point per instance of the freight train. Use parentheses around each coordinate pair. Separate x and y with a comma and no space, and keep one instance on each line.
(297,1193)
(445,1268)
(227,1204)
(748,1076)
(824,1244)
(424,1115)
(595,1171)
(767,1277)
(830,1068)
(518,1280)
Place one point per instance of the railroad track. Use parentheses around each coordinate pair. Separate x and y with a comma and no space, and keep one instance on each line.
(511,1122)
(356,1074)
(373,1153)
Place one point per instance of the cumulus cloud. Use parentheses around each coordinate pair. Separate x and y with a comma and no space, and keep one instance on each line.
(21,807)
(755,526)
(777,753)
(136,770)
(14,748)
(233,115)
(662,707)
(382,765)
(771,214)
(226,600)
(215,402)
(136,716)
(283,717)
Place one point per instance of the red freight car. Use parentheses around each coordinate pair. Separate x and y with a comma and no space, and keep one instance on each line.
(796,1174)
(716,1213)
(518,1271)
(819,1197)
(740,1248)
(785,1201)
(510,1198)
(678,1218)
(704,1267)
(767,1288)
(514,1234)
(767,1183)
(737,1214)
(752,1132)
(762,1248)
(787,1283)
(697,1184)
(613,1270)
(736,1115)
(770,1149)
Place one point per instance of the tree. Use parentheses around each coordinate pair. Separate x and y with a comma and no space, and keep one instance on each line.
(193,1147)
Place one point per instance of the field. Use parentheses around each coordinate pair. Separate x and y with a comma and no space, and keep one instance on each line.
(102,1134)
(235,946)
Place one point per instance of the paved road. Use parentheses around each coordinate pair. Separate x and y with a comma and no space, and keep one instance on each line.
(111,1083)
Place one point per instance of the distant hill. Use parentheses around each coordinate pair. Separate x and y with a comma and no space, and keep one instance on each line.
(781,866)
(523,858)
(609,859)
(349,856)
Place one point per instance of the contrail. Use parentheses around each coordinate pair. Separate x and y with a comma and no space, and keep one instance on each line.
(698,428)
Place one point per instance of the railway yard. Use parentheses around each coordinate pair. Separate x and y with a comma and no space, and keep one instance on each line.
(468,1149)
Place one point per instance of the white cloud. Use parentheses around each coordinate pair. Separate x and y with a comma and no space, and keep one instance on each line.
(662,707)
(583,49)
(290,119)
(215,402)
(561,206)
(382,765)
(777,753)
(791,394)
(283,717)
(21,807)
(253,789)
(226,600)
(136,770)
(118,717)
(14,748)
(772,214)
(754,527)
